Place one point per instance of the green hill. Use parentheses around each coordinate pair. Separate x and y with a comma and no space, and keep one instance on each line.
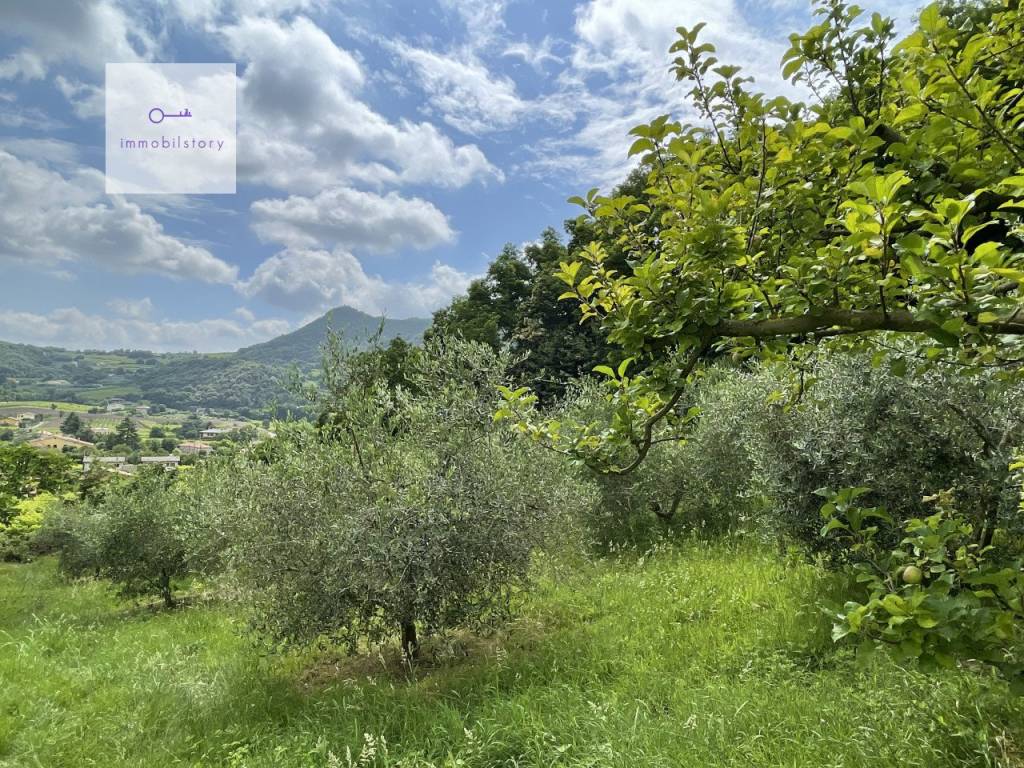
(302,347)
(248,381)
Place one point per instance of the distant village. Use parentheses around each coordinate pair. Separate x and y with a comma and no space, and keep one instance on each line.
(120,436)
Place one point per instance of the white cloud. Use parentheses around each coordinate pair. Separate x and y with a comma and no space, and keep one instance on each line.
(465,93)
(70,327)
(85,32)
(48,219)
(484,20)
(351,219)
(86,100)
(207,11)
(534,55)
(304,127)
(48,152)
(22,64)
(316,280)
(33,118)
(136,309)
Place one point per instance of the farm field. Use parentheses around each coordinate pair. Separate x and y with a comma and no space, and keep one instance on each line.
(714,657)
(52,418)
(11,405)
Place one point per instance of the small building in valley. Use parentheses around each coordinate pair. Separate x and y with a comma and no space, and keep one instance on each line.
(48,441)
(168,462)
(112,463)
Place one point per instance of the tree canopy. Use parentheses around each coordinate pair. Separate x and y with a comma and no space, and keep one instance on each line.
(889,205)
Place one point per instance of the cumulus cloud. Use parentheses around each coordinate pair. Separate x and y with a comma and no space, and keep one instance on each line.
(49,219)
(70,327)
(84,32)
(311,281)
(351,219)
(304,126)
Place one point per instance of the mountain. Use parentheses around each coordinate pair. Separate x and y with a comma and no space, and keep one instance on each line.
(302,347)
(248,381)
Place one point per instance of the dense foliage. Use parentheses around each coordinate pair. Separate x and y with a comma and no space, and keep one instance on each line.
(890,206)
(139,536)
(904,437)
(766,440)
(19,535)
(404,511)
(515,306)
(939,597)
(24,472)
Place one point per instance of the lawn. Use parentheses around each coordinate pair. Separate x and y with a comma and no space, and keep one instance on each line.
(700,657)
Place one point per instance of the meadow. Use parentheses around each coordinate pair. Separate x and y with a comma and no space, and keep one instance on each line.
(713,655)
(48,404)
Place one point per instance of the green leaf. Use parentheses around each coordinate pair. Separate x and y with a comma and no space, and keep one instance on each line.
(931,18)
(641,145)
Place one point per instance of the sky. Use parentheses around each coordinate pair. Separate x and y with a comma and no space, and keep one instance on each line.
(386,151)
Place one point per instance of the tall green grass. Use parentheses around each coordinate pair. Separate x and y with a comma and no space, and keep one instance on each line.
(699,657)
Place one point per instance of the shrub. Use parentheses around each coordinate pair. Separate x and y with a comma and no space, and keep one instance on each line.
(905,438)
(18,536)
(137,534)
(685,487)
(400,514)
(767,439)
(939,596)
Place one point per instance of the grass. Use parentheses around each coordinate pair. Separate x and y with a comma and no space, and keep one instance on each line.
(701,657)
(61,406)
(100,395)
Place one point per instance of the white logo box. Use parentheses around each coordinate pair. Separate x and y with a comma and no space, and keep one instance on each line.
(170,129)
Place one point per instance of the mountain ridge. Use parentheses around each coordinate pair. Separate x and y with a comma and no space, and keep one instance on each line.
(248,380)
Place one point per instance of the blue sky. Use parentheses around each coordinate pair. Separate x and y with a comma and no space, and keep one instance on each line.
(386,151)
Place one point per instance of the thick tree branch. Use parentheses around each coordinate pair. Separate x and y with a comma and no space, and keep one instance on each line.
(840,321)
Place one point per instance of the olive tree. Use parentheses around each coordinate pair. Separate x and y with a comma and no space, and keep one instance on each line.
(136,535)
(904,437)
(405,510)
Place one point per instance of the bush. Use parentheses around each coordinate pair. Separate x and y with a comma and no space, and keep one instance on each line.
(904,438)
(401,514)
(939,596)
(73,532)
(138,534)
(18,538)
(763,444)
